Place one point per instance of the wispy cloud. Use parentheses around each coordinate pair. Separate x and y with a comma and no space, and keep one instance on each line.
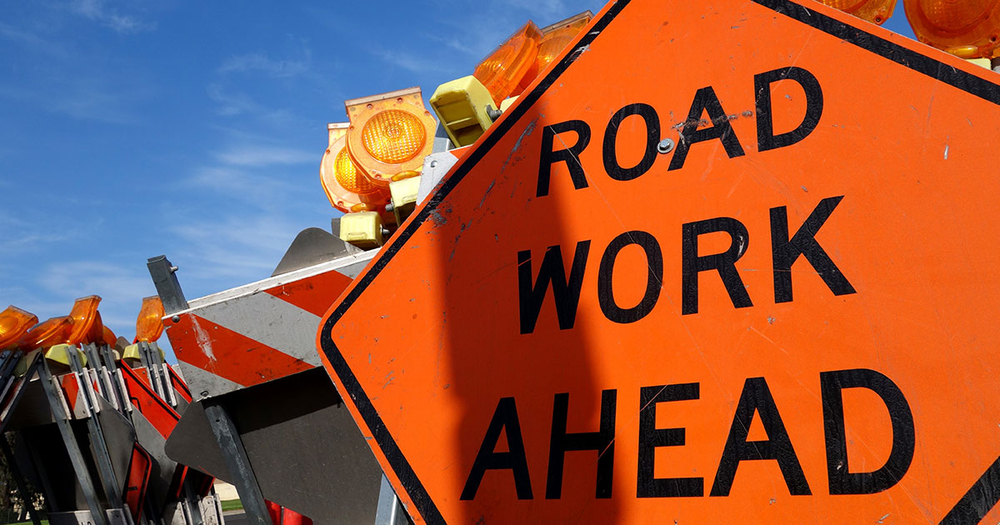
(85,99)
(32,41)
(239,104)
(23,236)
(261,62)
(543,10)
(120,286)
(263,155)
(414,63)
(263,192)
(240,248)
(98,11)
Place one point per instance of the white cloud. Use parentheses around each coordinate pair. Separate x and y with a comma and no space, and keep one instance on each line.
(85,99)
(259,155)
(263,63)
(241,248)
(240,104)
(23,236)
(97,11)
(121,288)
(32,42)
(265,193)
(415,63)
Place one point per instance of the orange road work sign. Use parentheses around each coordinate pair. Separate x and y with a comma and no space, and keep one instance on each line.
(725,262)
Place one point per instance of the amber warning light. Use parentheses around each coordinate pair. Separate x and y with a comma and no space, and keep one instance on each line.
(965,28)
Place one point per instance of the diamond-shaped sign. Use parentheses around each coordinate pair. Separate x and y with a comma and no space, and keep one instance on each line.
(727,261)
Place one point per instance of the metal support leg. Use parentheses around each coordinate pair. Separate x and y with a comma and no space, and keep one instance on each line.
(72,447)
(193,503)
(390,511)
(235,457)
(22,487)
(101,453)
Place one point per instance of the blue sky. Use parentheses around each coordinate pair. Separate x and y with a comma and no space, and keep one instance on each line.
(195,129)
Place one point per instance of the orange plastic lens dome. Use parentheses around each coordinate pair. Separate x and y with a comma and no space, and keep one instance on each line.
(393,136)
(149,324)
(966,28)
(502,71)
(85,317)
(53,331)
(108,337)
(345,185)
(875,11)
(556,37)
(13,323)
(348,176)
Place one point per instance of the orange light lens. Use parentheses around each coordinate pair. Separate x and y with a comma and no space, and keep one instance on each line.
(13,323)
(965,28)
(874,11)
(345,185)
(50,332)
(108,337)
(393,136)
(85,317)
(348,176)
(556,38)
(149,325)
(502,71)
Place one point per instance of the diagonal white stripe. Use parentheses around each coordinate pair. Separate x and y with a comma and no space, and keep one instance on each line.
(269,320)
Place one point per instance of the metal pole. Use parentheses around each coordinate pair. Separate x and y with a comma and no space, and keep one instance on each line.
(235,457)
(165,279)
(50,387)
(390,511)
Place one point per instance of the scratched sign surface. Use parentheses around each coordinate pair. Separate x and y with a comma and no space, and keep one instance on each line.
(784,313)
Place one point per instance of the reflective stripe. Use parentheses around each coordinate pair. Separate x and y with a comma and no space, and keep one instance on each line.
(271,321)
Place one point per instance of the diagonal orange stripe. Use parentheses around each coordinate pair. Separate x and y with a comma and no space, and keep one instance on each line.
(314,294)
(227,354)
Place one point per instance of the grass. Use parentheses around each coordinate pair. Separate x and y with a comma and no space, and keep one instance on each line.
(233,504)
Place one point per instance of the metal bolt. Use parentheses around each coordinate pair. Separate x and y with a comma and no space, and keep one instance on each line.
(665,146)
(176,319)
(389,207)
(434,164)
(173,269)
(494,114)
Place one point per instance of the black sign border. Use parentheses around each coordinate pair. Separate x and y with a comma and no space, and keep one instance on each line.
(903,56)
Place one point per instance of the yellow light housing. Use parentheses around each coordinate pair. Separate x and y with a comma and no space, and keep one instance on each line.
(149,324)
(346,187)
(460,106)
(13,323)
(965,28)
(389,136)
(362,229)
(59,353)
(874,11)
(504,68)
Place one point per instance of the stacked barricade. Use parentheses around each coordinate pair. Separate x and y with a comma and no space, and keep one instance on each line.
(90,415)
